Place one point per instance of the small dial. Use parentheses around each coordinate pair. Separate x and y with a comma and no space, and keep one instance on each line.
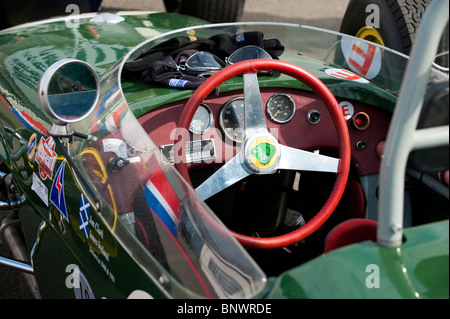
(232,119)
(281,108)
(202,120)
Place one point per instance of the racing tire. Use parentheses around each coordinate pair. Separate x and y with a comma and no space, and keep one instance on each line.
(399,21)
(210,10)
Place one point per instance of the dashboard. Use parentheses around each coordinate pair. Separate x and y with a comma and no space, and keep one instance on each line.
(296,117)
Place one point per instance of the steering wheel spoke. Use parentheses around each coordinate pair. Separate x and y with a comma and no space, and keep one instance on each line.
(230,173)
(295,159)
(254,118)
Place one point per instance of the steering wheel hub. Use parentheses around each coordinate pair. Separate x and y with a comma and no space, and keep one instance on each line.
(262,154)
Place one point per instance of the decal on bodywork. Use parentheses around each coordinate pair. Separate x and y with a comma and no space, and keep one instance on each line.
(31,148)
(163,202)
(77,281)
(362,57)
(347,109)
(84,290)
(346,75)
(40,189)
(84,215)
(46,157)
(57,191)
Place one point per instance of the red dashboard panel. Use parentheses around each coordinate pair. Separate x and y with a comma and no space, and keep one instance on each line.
(161,125)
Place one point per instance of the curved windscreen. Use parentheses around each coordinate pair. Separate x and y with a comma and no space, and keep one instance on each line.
(381,66)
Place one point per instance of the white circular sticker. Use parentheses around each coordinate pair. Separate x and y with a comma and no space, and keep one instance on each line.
(84,290)
(347,109)
(346,75)
(139,294)
(362,57)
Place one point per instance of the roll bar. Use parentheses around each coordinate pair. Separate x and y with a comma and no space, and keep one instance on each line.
(402,135)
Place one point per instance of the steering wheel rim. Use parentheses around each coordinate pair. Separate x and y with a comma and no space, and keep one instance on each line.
(254,66)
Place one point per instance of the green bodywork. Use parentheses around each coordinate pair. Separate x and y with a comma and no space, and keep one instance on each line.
(26,52)
(418,269)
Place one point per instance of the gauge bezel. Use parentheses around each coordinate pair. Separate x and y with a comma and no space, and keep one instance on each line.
(222,126)
(210,123)
(271,116)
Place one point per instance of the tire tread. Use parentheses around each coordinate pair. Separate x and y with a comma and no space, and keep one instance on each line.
(408,15)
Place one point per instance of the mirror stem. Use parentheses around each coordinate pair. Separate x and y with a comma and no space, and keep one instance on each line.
(88,137)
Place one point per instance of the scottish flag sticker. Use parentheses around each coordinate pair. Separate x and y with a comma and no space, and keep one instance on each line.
(84,215)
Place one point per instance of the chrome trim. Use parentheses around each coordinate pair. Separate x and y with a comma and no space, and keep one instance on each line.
(210,123)
(16,265)
(222,123)
(44,85)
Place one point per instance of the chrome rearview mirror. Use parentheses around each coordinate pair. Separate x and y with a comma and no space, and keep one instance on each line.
(69,91)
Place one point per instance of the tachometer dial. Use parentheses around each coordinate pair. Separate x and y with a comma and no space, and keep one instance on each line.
(232,119)
(202,120)
(281,108)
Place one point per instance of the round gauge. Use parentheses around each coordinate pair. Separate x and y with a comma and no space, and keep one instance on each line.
(281,108)
(202,120)
(232,119)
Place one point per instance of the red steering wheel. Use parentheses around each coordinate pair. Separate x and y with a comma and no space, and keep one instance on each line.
(258,139)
